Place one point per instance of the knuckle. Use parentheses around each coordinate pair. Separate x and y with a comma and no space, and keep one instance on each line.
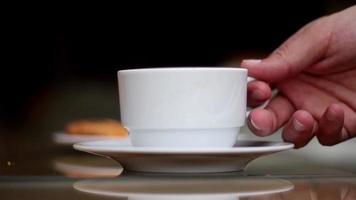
(282,54)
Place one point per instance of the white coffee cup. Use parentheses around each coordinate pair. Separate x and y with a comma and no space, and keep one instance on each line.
(183,107)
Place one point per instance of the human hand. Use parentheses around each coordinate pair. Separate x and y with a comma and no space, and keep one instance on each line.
(315,74)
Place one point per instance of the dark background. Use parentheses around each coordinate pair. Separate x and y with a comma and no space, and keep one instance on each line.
(60,64)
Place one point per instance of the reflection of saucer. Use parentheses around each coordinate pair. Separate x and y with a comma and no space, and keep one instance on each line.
(68,139)
(186,188)
(187,160)
(86,166)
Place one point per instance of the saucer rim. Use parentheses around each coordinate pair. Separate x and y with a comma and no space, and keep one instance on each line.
(274,146)
(289,187)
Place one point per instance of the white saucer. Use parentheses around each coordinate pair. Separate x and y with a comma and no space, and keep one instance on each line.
(187,188)
(63,138)
(187,160)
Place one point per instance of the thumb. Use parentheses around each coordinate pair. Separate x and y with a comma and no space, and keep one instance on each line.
(302,50)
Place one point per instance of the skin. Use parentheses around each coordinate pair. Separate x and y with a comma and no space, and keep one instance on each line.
(314,190)
(314,72)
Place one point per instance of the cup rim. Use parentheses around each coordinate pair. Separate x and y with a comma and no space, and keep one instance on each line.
(166,69)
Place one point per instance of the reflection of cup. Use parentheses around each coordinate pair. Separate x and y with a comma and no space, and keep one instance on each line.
(183,107)
(178,188)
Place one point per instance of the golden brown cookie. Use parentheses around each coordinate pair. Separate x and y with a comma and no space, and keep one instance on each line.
(105,127)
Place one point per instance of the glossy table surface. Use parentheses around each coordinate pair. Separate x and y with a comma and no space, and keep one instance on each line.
(33,166)
(41,169)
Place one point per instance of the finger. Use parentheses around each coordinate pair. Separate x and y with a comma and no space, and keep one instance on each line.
(339,91)
(299,129)
(264,122)
(329,191)
(350,195)
(331,125)
(303,49)
(258,92)
(315,100)
(306,97)
(347,79)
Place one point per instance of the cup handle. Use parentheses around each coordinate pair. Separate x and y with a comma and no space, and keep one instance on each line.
(274,92)
(249,78)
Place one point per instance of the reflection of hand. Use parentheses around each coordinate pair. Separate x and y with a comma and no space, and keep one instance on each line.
(320,190)
(315,73)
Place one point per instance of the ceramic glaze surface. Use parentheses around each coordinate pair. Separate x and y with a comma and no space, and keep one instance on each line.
(183,160)
(187,101)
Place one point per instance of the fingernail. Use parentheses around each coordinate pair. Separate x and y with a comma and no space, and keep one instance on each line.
(298,126)
(254,125)
(251,61)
